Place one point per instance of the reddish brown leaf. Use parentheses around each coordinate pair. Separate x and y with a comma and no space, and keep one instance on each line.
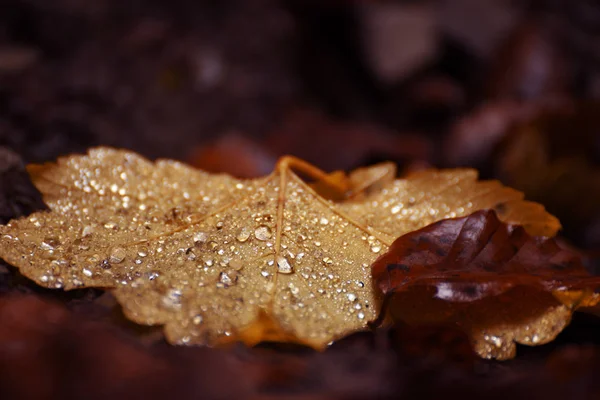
(492,279)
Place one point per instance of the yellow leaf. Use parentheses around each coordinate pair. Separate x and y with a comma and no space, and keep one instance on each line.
(210,255)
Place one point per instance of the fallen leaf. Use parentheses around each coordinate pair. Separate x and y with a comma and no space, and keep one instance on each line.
(495,281)
(206,255)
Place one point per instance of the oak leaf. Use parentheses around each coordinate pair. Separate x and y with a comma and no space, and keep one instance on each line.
(212,257)
(495,281)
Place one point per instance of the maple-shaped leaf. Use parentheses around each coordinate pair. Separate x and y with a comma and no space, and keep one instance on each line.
(214,258)
(492,279)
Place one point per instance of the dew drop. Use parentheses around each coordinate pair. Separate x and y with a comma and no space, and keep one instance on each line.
(200,237)
(117,255)
(87,231)
(283,265)
(361,315)
(360,284)
(197,320)
(49,243)
(172,298)
(220,225)
(396,209)
(375,247)
(191,256)
(327,261)
(263,233)
(236,264)
(87,272)
(351,296)
(243,234)
(324,221)
(143,252)
(225,279)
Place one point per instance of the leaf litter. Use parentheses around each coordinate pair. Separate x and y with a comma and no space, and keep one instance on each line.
(217,259)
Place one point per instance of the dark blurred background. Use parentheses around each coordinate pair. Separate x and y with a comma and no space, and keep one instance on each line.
(508,87)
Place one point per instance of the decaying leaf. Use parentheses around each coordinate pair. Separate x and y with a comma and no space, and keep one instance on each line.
(498,283)
(211,256)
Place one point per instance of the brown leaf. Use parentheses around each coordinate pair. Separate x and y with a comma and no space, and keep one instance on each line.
(494,280)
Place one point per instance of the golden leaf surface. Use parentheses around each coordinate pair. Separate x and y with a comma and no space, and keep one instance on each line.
(210,256)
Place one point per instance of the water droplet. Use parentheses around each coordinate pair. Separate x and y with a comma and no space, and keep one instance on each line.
(143,252)
(324,221)
(495,340)
(117,255)
(283,265)
(327,261)
(172,298)
(190,254)
(264,273)
(375,247)
(225,279)
(197,320)
(87,272)
(535,338)
(361,315)
(396,209)
(351,296)
(236,264)
(110,225)
(360,284)
(263,233)
(200,237)
(220,225)
(87,231)
(243,234)
(49,243)
(270,287)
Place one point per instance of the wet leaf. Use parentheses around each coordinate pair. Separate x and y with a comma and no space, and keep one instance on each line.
(210,255)
(495,281)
